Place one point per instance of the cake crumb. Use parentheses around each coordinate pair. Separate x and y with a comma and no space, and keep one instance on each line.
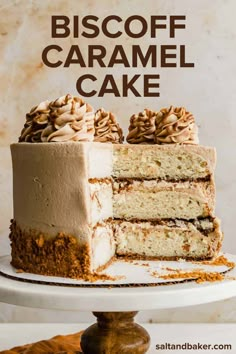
(199,277)
(155,274)
(141,264)
(171,269)
(210,277)
(104,277)
(219,261)
(19,271)
(180,270)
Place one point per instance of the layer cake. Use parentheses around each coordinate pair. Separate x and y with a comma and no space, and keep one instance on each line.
(82,197)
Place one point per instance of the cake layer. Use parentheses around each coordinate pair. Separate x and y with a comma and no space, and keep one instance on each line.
(152,199)
(62,255)
(172,162)
(169,239)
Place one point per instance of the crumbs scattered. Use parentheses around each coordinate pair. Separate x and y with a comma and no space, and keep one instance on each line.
(93,277)
(179,270)
(133,261)
(19,271)
(155,274)
(171,269)
(199,277)
(142,264)
(98,276)
(219,261)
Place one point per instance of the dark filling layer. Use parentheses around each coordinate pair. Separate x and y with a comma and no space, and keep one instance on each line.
(177,223)
(130,180)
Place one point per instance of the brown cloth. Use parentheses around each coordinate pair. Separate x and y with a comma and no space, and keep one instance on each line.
(68,344)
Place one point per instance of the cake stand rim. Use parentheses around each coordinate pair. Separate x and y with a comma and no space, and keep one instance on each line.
(115,299)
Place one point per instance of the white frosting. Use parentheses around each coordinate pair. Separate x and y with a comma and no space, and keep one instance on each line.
(101,201)
(103,246)
(100,160)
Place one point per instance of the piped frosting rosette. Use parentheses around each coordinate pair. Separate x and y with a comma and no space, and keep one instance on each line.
(36,121)
(175,126)
(68,118)
(106,128)
(142,128)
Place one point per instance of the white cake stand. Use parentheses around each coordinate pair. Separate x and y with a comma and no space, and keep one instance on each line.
(115,308)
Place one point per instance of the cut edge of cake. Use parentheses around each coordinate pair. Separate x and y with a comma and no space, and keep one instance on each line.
(98,239)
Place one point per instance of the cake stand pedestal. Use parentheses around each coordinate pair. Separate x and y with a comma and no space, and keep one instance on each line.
(115,331)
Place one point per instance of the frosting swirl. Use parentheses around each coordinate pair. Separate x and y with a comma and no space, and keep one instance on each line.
(36,121)
(142,128)
(106,128)
(68,118)
(175,125)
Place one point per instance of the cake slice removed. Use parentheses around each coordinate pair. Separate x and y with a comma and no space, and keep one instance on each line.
(168,239)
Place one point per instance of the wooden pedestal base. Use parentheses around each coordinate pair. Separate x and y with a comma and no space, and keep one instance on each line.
(115,333)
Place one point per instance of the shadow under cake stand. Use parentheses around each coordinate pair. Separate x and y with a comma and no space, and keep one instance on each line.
(115,307)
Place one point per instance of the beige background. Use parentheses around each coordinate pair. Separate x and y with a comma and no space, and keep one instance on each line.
(208,90)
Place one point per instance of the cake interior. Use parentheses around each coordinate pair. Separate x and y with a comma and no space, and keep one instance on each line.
(168,240)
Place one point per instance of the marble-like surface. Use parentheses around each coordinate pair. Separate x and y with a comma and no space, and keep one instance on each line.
(208,90)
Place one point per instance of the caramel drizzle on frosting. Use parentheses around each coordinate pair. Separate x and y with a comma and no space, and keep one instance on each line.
(68,118)
(106,128)
(175,126)
(36,121)
(142,128)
